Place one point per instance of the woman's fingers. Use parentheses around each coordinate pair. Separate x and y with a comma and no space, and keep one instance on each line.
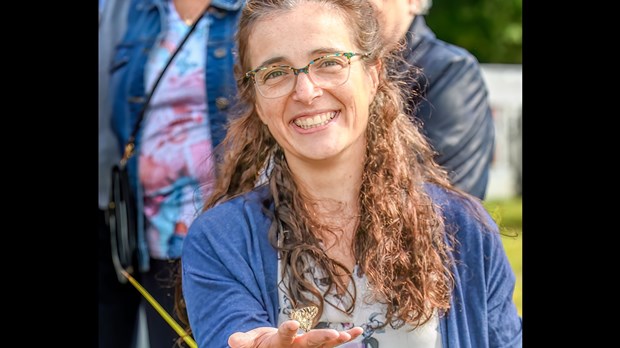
(266,336)
(326,338)
(287,332)
(286,336)
(355,332)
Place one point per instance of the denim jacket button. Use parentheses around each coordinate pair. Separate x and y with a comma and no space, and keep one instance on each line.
(220,52)
(222,103)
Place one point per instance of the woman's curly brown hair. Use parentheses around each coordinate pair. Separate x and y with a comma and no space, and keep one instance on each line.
(400,241)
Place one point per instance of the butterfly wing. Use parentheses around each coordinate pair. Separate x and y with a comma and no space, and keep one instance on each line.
(304,316)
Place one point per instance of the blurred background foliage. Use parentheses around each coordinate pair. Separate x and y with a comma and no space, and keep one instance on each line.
(508,214)
(490,29)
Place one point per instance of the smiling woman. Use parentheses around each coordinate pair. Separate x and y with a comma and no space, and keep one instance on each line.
(357,234)
(324,102)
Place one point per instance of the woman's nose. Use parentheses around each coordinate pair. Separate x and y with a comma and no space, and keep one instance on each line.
(305,89)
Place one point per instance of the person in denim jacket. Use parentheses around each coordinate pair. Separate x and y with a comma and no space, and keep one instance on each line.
(172,168)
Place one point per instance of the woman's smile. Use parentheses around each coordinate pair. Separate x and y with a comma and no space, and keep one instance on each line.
(314,122)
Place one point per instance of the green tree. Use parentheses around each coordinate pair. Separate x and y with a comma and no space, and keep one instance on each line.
(490,29)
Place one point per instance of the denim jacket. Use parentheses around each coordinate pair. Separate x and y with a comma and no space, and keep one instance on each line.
(146,24)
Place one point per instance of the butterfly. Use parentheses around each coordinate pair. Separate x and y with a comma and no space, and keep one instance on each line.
(304,316)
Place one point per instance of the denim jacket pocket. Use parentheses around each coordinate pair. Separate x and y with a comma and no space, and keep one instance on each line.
(121,56)
(118,62)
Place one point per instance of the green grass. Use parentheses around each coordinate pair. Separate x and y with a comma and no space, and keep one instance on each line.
(508,215)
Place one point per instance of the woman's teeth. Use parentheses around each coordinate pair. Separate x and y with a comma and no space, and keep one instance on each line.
(315,121)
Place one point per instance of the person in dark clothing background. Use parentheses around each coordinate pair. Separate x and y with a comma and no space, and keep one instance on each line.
(454,111)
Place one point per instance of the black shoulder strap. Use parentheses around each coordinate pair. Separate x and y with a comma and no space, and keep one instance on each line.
(129,147)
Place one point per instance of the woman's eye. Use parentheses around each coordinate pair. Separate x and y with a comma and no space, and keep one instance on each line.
(330,62)
(274,74)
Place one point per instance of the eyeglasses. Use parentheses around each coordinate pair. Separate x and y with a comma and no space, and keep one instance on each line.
(328,71)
